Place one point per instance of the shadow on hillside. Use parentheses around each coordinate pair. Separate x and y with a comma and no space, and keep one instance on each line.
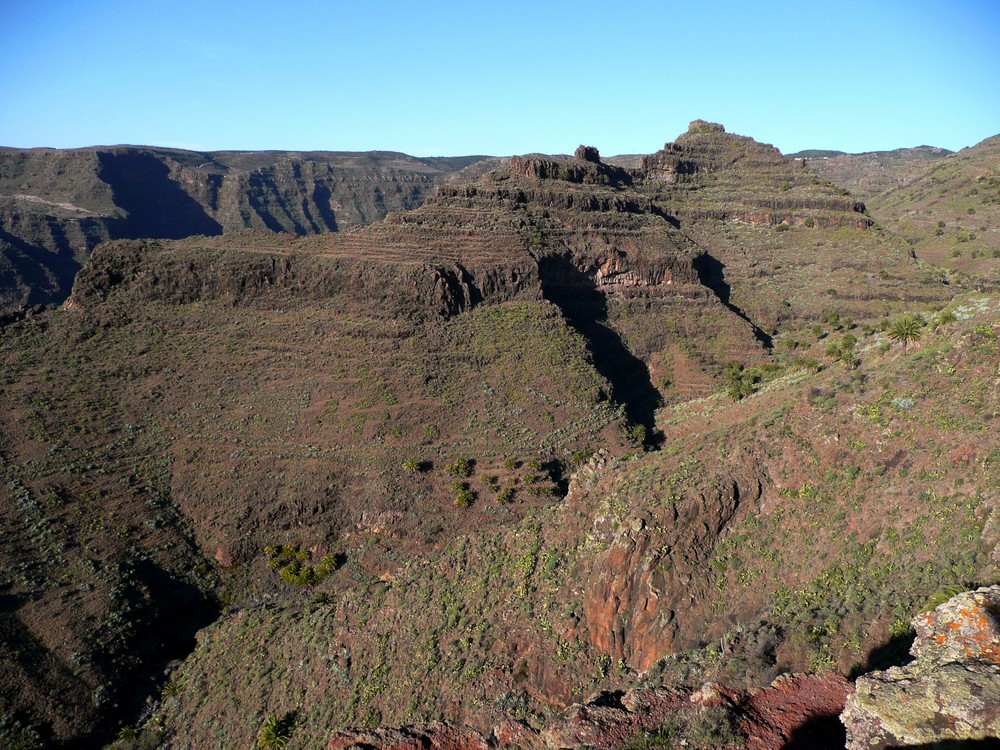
(711,273)
(823,732)
(156,204)
(322,197)
(48,275)
(895,652)
(167,612)
(585,308)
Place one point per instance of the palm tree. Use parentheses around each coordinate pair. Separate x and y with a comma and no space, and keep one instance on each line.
(274,732)
(906,329)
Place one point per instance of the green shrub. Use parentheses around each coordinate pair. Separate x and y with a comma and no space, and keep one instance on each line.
(274,732)
(465,498)
(740,382)
(461,467)
(635,435)
(945,317)
(708,728)
(291,564)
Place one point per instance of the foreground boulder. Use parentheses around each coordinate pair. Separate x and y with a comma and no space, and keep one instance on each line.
(951,691)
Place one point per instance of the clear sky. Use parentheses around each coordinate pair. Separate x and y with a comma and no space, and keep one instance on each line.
(450,78)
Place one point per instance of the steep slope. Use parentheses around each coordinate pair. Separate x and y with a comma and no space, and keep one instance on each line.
(365,397)
(56,205)
(782,246)
(359,447)
(799,528)
(868,174)
(950,213)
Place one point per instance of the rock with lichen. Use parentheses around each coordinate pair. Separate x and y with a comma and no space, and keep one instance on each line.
(951,691)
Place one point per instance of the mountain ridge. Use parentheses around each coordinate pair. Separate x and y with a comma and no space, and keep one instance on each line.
(569,427)
(56,205)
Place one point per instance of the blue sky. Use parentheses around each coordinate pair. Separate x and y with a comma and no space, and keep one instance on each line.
(450,78)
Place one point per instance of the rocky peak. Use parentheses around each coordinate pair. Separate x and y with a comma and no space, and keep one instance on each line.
(703,126)
(587,153)
(706,147)
(585,168)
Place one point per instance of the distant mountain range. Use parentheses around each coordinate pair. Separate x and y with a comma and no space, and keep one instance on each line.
(56,205)
(868,174)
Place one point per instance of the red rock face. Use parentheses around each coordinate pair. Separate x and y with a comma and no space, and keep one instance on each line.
(795,712)
(622,598)
(646,575)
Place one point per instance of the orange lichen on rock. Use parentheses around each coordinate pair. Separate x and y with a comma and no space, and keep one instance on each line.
(966,627)
(950,692)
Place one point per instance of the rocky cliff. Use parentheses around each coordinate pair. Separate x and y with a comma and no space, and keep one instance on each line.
(56,205)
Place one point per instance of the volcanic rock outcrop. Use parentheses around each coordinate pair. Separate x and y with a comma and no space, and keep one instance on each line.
(793,712)
(949,692)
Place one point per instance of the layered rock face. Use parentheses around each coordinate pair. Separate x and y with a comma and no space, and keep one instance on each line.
(55,206)
(721,163)
(534,225)
(949,692)
(781,243)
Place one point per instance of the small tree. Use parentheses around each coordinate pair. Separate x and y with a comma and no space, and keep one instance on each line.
(906,329)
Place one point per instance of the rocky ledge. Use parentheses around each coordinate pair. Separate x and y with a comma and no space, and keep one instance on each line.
(949,693)
(796,711)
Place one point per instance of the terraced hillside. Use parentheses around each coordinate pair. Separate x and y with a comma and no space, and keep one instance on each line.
(781,244)
(869,174)
(56,205)
(555,431)
(950,213)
